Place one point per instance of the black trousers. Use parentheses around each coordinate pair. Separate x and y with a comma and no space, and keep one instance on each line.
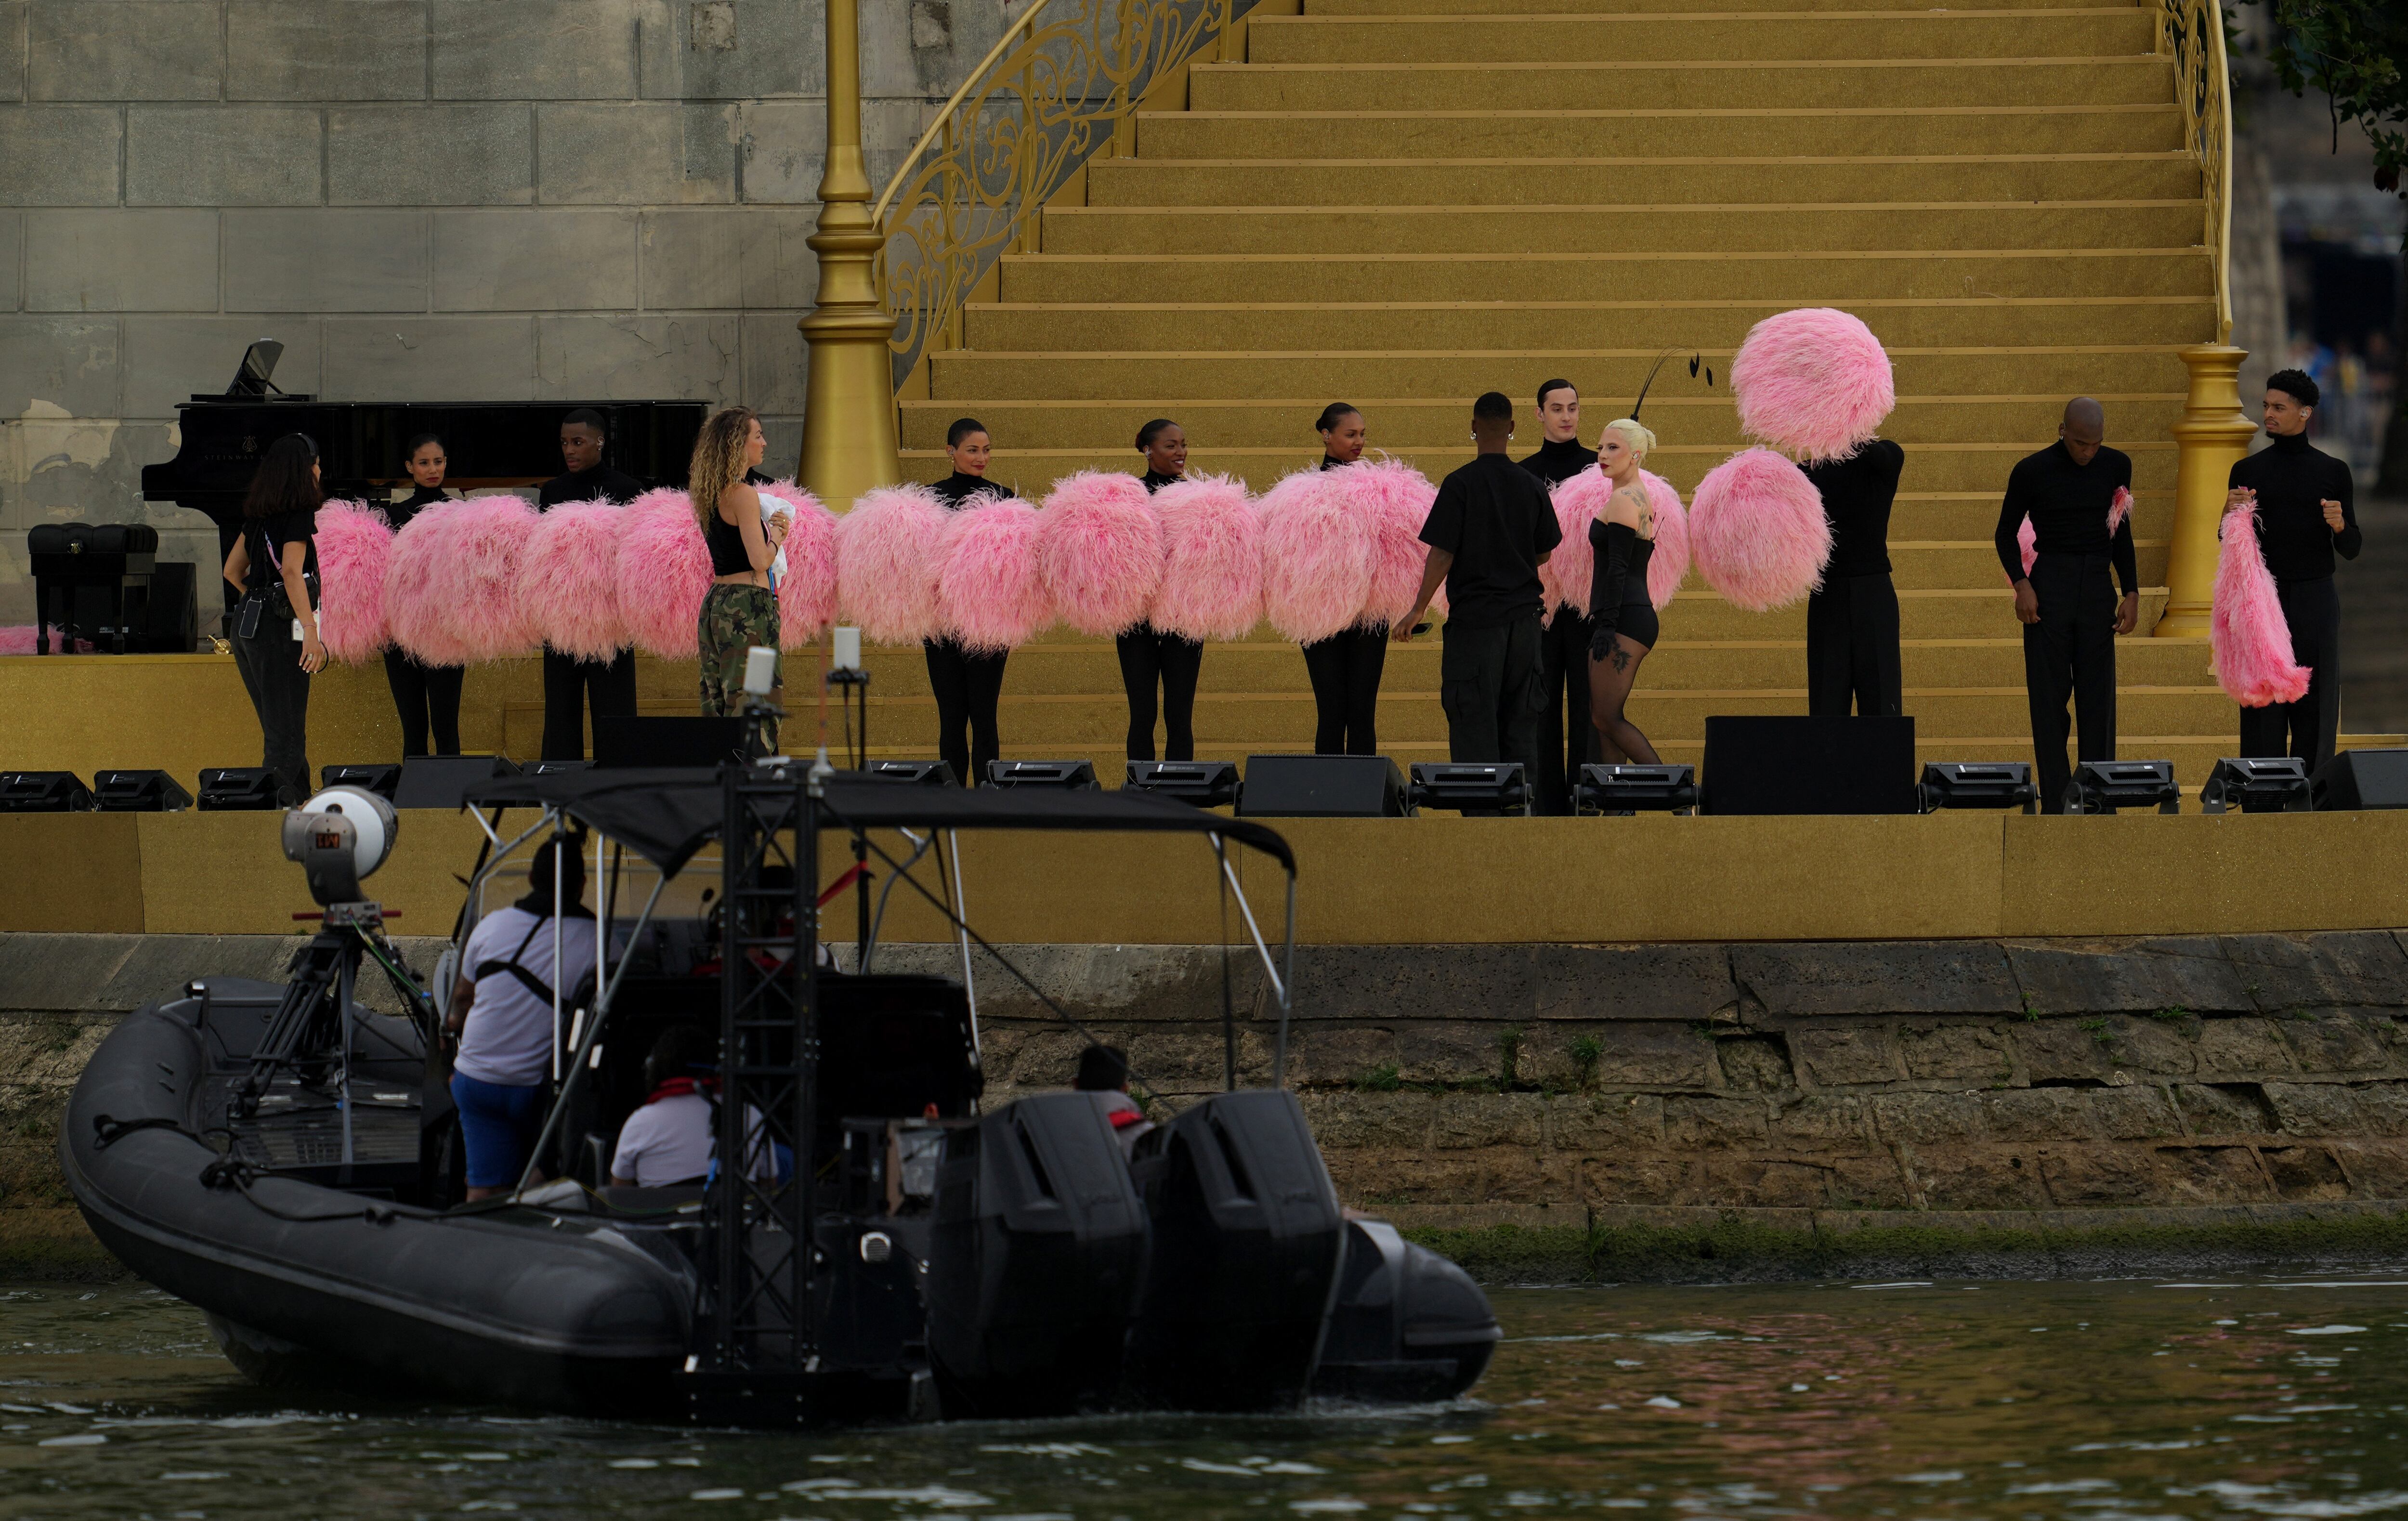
(1852,661)
(428,699)
(1566,741)
(968,687)
(270,664)
(566,680)
(2070,652)
(2307,728)
(1488,683)
(1345,671)
(1148,657)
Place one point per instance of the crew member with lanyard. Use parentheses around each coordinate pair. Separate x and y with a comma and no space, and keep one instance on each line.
(274,564)
(502,1011)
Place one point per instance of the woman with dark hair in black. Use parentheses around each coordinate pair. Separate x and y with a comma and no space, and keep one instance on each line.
(1345,668)
(274,564)
(1148,655)
(967,684)
(427,697)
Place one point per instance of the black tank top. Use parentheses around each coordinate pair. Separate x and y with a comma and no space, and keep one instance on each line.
(728,557)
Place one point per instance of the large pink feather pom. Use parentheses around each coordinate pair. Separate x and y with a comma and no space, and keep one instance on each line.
(1394,501)
(1099,550)
(664,574)
(889,552)
(568,579)
(1669,565)
(2249,644)
(806,591)
(18,639)
(1813,382)
(1213,560)
(1570,572)
(1756,531)
(1316,558)
(992,591)
(354,546)
(452,585)
(416,584)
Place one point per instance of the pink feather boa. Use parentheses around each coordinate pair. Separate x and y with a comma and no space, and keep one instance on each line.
(806,591)
(568,579)
(354,546)
(1213,560)
(2119,506)
(1317,561)
(663,570)
(889,552)
(1758,532)
(992,591)
(18,639)
(1099,550)
(1813,382)
(2249,645)
(1570,572)
(1392,500)
(450,588)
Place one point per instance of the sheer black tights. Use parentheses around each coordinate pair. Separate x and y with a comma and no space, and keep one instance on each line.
(1610,680)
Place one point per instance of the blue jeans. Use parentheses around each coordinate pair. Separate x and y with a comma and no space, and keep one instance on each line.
(499,1123)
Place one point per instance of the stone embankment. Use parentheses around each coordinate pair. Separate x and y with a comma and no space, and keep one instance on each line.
(1657,1110)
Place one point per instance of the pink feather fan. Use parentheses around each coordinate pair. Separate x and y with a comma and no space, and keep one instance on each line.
(1316,558)
(992,592)
(568,579)
(1099,550)
(452,585)
(889,552)
(2119,506)
(806,591)
(1213,560)
(1813,382)
(2249,645)
(354,546)
(664,574)
(1668,565)
(1392,500)
(1756,531)
(1570,572)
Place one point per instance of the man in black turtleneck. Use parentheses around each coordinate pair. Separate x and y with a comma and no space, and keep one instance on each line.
(2068,604)
(1852,657)
(567,679)
(1563,644)
(2307,512)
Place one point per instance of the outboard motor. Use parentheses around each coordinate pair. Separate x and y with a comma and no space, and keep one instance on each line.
(1409,1326)
(1246,1244)
(1036,1256)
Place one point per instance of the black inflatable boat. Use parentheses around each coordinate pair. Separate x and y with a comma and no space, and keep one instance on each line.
(286,1160)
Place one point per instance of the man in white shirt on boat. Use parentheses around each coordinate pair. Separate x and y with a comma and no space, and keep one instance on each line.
(673,1136)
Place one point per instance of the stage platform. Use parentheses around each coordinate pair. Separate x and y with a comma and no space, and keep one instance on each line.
(1435,880)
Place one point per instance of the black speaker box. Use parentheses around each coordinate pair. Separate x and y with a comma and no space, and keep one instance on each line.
(171,617)
(43,792)
(1789,765)
(443,780)
(2362,779)
(237,789)
(666,741)
(1324,787)
(138,791)
(378,776)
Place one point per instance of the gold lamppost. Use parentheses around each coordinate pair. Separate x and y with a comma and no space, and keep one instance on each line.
(849,443)
(2210,438)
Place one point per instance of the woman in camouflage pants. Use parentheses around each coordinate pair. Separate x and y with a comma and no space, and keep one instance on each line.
(742,608)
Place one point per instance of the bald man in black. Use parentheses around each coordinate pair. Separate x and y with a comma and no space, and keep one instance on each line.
(2068,604)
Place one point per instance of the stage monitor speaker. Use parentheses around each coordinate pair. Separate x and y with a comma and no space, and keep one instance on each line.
(237,789)
(2105,786)
(1470,786)
(137,792)
(378,776)
(43,792)
(922,773)
(1324,787)
(1204,783)
(171,623)
(2357,778)
(553,767)
(2277,784)
(444,780)
(1788,764)
(626,742)
(1052,776)
(1977,784)
(1634,789)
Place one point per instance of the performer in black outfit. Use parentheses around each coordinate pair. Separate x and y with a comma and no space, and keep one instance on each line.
(968,685)
(1345,668)
(1852,657)
(426,696)
(2068,605)
(1488,532)
(2307,512)
(1148,655)
(1622,615)
(1566,739)
(566,680)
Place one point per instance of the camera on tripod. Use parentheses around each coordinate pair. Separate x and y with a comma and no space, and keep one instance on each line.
(338,839)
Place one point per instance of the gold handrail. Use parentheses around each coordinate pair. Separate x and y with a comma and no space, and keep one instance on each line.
(2191,32)
(945,113)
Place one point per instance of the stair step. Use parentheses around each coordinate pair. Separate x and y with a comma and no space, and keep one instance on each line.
(1785,37)
(1579,12)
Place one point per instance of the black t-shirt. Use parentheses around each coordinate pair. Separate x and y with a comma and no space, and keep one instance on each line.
(420,499)
(2293,478)
(1494,518)
(958,488)
(599,484)
(2068,507)
(266,538)
(1559,460)
(1858,493)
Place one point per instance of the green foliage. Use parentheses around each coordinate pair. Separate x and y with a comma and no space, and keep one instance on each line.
(2100,1030)
(1379,1079)
(2354,53)
(1509,1055)
(2176,1012)
(1586,1052)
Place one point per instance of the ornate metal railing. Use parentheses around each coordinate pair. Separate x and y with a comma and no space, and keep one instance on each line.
(1045,100)
(2191,32)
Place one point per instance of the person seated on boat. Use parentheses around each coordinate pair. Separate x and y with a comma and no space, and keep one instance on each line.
(672,1138)
(502,1014)
(1105,1069)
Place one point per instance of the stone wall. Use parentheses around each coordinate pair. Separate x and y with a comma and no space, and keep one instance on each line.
(422,199)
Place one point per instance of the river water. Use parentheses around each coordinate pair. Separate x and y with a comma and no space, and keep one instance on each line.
(2118,1400)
